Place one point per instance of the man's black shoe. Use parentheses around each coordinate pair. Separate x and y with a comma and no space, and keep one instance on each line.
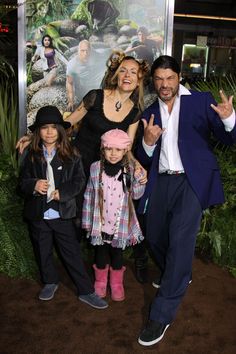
(152,333)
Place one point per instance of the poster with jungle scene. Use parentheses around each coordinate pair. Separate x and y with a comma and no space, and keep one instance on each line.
(68,43)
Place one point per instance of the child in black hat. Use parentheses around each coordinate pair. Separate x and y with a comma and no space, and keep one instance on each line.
(51,179)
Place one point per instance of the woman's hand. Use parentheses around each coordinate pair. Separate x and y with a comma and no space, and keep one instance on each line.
(23,142)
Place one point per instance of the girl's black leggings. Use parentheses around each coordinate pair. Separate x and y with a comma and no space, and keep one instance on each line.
(106,254)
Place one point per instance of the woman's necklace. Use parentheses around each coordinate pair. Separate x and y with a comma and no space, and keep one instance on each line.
(118,106)
(118,101)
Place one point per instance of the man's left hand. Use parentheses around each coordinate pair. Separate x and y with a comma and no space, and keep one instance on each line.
(225,108)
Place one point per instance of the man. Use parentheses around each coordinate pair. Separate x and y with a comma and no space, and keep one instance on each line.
(184,179)
(144,47)
(84,73)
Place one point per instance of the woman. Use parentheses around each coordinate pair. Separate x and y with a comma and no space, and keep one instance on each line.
(118,105)
(50,57)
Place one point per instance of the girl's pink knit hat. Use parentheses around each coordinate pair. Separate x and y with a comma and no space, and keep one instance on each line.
(116,138)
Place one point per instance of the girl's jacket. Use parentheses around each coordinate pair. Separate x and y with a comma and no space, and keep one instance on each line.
(127,233)
(69,180)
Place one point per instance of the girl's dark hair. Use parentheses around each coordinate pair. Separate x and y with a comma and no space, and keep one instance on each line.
(65,150)
(50,40)
(165,62)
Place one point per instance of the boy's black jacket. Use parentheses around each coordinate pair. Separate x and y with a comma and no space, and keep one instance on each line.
(69,180)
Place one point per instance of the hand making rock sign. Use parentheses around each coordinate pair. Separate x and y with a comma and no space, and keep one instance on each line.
(152,132)
(225,108)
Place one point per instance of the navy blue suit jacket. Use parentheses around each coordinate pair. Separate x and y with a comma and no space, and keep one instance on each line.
(197,121)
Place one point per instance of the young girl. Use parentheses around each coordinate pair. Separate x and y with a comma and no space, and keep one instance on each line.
(51,179)
(108,211)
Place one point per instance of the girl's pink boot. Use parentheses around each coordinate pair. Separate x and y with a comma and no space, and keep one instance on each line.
(100,284)
(116,283)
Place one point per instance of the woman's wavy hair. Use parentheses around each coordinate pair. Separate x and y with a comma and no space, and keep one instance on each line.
(110,80)
(64,148)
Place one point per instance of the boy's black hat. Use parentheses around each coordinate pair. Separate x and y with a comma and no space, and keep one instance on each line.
(48,115)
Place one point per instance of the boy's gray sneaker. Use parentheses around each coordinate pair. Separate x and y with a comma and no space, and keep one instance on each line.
(48,291)
(94,300)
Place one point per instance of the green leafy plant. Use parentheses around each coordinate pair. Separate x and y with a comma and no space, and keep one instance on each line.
(16,254)
(217,236)
(227,84)
(8,111)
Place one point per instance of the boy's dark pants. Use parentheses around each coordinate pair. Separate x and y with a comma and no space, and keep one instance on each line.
(44,233)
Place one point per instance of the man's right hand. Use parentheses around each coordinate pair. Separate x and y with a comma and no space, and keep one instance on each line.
(152,132)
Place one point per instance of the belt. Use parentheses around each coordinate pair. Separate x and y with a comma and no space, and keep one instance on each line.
(170,172)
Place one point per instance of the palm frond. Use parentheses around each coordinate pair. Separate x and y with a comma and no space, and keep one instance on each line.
(227,84)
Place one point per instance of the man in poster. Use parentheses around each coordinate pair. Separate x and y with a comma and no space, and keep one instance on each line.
(84,73)
(144,47)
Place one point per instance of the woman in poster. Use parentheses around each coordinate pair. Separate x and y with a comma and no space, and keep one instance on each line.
(50,59)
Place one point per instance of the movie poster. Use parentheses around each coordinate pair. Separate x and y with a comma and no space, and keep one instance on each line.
(68,43)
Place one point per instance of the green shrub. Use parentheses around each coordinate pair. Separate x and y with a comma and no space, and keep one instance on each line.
(217,237)
(16,254)
(8,111)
